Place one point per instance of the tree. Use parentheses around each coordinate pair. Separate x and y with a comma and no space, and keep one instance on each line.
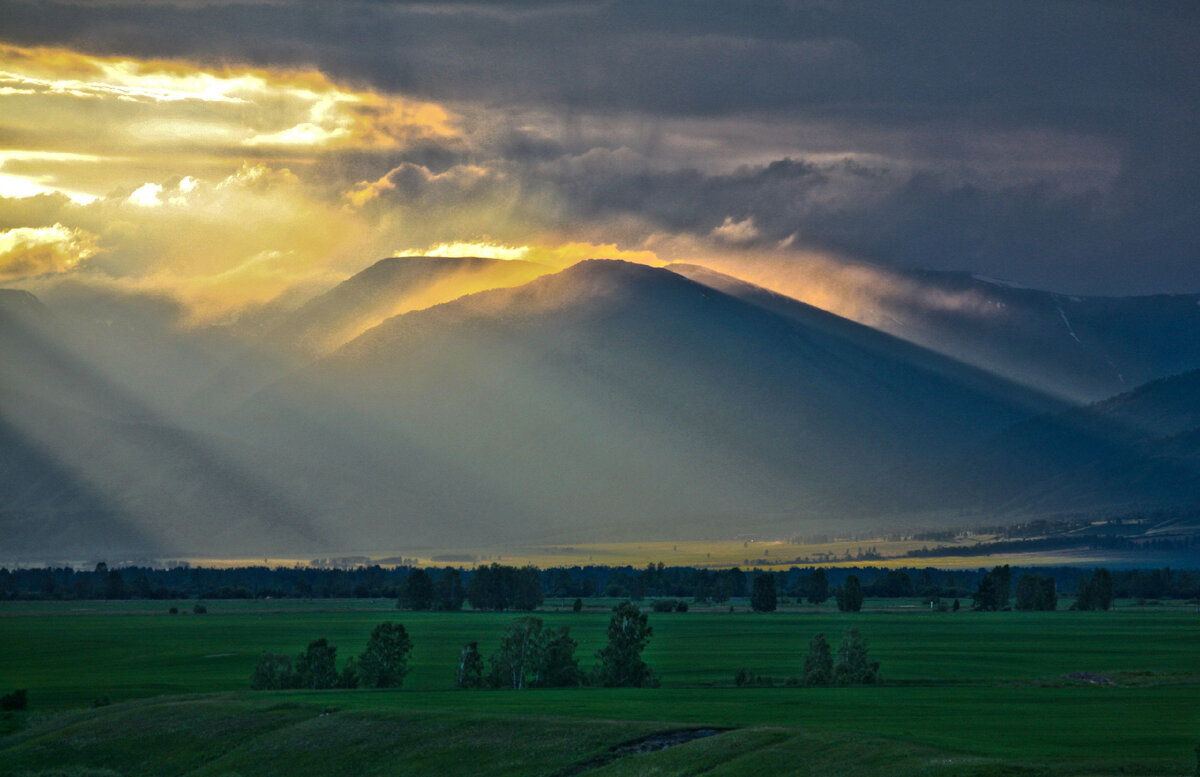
(558,668)
(516,663)
(1035,592)
(854,667)
(816,588)
(1096,591)
(621,659)
(385,661)
(470,667)
(818,664)
(849,596)
(316,667)
(992,593)
(273,672)
(448,591)
(577,606)
(527,594)
(416,591)
(763,599)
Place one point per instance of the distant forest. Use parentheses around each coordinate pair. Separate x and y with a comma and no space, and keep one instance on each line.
(504,587)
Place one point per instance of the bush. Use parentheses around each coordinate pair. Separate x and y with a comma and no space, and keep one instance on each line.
(17,700)
(101,701)
(665,605)
(174,610)
(200,609)
(273,672)
(577,606)
(681,606)
(744,678)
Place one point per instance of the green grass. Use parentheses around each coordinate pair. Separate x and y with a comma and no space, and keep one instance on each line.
(971,691)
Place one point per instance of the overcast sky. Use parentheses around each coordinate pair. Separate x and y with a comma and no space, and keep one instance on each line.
(231,151)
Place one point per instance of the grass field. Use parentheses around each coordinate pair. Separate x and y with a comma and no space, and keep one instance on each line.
(965,692)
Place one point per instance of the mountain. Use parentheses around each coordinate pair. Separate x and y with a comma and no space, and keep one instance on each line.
(389,287)
(1138,451)
(618,400)
(1079,348)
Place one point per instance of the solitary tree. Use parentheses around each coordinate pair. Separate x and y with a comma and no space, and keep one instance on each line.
(818,665)
(763,599)
(470,667)
(854,667)
(850,595)
(385,661)
(621,661)
(816,588)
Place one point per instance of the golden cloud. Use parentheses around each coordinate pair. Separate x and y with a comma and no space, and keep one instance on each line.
(152,113)
(32,251)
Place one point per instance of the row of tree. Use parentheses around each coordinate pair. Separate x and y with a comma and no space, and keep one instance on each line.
(499,587)
(529,656)
(383,664)
(1037,592)
(533,656)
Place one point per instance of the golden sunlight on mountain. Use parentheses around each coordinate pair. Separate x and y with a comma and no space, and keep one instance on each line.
(553,256)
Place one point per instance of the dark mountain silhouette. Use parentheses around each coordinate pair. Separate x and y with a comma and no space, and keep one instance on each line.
(1137,451)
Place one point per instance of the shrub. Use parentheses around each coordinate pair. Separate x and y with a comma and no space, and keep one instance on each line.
(174,610)
(17,700)
(200,609)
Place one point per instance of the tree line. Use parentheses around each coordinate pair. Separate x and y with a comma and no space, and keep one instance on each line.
(501,587)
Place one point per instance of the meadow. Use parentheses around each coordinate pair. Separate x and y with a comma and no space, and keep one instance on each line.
(964,693)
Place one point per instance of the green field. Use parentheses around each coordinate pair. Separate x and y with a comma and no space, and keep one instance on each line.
(964,693)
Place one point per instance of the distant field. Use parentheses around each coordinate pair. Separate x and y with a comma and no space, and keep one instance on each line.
(761,552)
(958,685)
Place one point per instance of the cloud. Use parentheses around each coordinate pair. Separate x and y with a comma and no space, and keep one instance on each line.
(33,251)
(731,231)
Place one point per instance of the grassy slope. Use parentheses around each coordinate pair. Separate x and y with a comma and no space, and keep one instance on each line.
(985,685)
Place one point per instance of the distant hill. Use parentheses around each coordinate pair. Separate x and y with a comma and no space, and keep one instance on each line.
(389,287)
(1137,451)
(1080,348)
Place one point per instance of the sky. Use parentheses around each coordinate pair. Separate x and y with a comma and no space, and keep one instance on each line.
(234,154)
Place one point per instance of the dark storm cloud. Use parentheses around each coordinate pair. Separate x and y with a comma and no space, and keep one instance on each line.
(1044,142)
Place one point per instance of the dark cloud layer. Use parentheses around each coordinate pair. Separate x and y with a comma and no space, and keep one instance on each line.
(1050,143)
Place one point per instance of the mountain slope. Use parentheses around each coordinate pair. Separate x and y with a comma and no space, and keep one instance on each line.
(621,400)
(1079,348)
(389,287)
(1134,452)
